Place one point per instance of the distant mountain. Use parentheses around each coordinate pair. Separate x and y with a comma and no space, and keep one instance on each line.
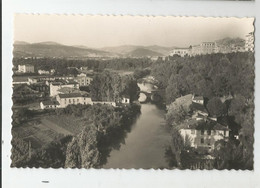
(142,52)
(52,49)
(127,49)
(161,49)
(122,50)
(231,41)
(21,42)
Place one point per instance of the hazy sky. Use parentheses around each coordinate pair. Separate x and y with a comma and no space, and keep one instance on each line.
(103,31)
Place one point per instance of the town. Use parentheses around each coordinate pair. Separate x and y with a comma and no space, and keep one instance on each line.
(134,106)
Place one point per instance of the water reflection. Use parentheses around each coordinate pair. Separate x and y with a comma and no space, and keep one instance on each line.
(144,146)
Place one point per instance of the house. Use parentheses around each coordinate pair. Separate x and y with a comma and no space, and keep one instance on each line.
(43,72)
(32,80)
(125,99)
(57,85)
(112,103)
(50,104)
(73,98)
(198,99)
(26,68)
(203,133)
(83,79)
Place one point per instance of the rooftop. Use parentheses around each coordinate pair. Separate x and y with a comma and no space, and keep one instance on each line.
(70,95)
(206,124)
(198,98)
(200,107)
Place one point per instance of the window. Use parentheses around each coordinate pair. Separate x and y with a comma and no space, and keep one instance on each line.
(209,132)
(202,132)
(202,140)
(77,100)
(224,132)
(69,101)
(192,131)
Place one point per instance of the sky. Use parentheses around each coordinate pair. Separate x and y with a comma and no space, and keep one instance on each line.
(106,31)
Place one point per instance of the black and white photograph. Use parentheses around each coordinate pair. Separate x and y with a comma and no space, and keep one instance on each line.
(142,92)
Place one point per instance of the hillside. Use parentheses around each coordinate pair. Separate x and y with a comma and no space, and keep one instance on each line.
(52,49)
(128,49)
(142,52)
(231,41)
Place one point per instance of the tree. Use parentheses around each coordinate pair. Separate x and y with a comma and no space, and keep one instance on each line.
(216,107)
(82,151)
(176,114)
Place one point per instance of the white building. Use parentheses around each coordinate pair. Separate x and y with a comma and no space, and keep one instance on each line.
(203,133)
(125,99)
(180,51)
(49,104)
(26,68)
(63,100)
(83,79)
(198,99)
(56,86)
(43,72)
(249,44)
(72,98)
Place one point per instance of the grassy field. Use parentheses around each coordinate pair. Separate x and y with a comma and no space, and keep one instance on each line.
(69,123)
(45,128)
(38,134)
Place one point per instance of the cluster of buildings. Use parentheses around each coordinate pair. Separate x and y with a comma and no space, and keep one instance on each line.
(202,130)
(61,90)
(213,47)
(62,100)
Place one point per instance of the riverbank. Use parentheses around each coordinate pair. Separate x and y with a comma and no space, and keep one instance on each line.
(144,146)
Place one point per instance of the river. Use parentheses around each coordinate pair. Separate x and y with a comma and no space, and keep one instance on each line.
(145,145)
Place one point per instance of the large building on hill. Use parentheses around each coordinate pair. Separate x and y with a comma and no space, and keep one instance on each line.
(249,45)
(211,48)
(208,47)
(180,51)
(26,68)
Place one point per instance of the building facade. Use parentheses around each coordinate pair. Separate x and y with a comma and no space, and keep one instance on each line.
(26,68)
(56,86)
(43,72)
(83,79)
(204,133)
(249,44)
(72,98)
(181,52)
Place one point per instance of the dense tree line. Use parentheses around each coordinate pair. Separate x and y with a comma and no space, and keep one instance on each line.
(216,77)
(108,86)
(105,128)
(61,65)
(207,75)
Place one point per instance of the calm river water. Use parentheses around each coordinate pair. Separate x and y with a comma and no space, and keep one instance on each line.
(145,145)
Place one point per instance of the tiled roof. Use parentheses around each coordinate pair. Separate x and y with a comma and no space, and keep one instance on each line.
(204,125)
(198,98)
(70,95)
(200,107)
